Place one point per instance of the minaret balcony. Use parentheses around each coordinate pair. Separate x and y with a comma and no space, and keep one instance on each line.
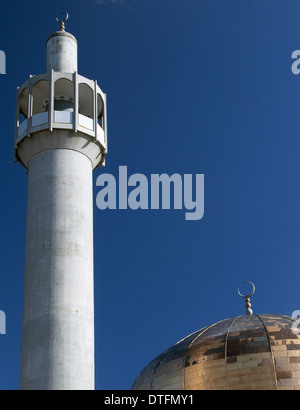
(56,100)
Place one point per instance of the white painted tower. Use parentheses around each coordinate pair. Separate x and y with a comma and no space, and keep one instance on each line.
(60,138)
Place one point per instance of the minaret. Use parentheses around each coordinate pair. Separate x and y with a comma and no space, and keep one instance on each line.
(60,138)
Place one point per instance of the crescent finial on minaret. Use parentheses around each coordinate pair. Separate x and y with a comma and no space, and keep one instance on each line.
(249,311)
(62,22)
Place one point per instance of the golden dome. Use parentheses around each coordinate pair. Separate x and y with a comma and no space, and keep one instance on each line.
(258,352)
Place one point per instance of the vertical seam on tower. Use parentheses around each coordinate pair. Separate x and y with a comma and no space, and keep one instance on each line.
(271,350)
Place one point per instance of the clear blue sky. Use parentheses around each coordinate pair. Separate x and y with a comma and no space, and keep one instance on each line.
(193,86)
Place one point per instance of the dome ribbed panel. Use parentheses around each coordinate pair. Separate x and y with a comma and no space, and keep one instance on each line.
(205,364)
(285,347)
(166,371)
(249,358)
(258,352)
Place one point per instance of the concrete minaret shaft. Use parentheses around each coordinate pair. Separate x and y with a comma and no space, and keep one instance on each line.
(60,138)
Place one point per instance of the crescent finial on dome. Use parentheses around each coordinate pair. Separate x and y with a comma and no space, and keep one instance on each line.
(249,311)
